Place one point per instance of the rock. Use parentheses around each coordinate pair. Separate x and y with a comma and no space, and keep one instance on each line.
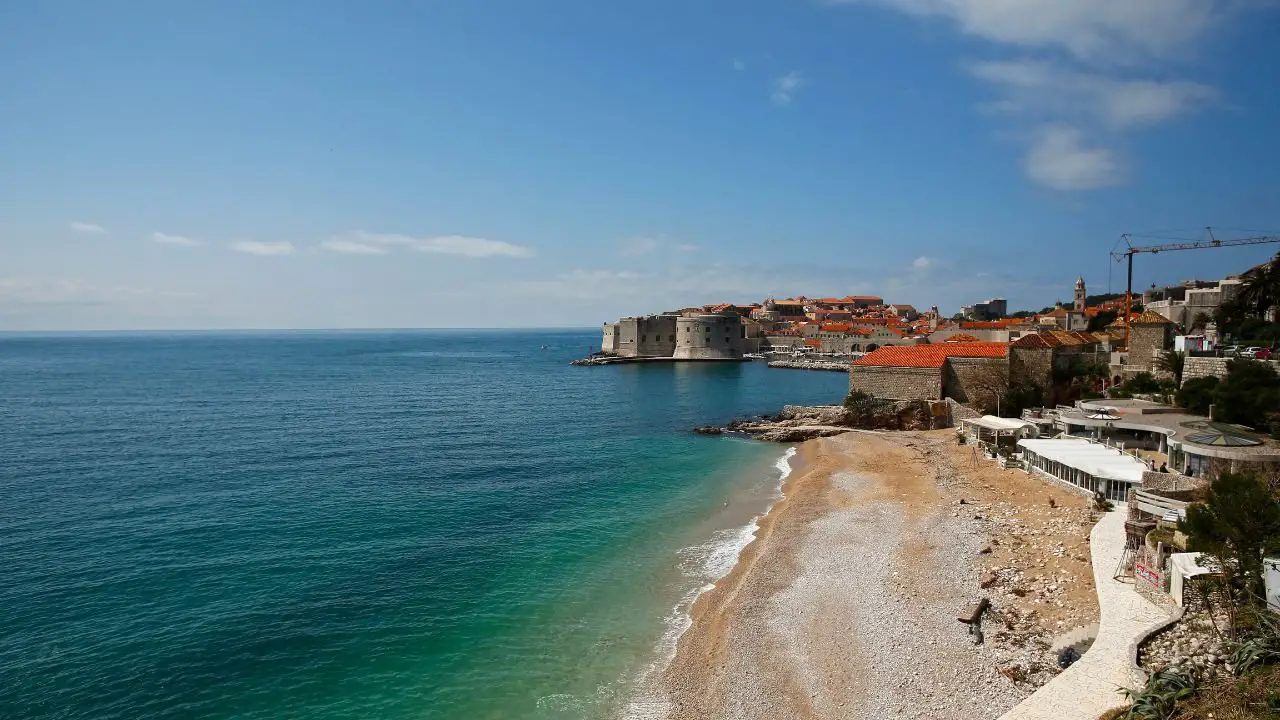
(709,430)
(988,580)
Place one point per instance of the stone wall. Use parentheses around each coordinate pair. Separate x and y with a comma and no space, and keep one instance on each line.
(651,336)
(1196,367)
(975,380)
(609,343)
(1170,481)
(783,342)
(897,383)
(1144,342)
(1032,364)
(709,337)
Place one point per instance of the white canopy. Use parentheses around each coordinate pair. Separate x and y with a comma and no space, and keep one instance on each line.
(1098,460)
(991,422)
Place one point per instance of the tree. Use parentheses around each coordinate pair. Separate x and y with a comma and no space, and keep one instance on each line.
(1250,394)
(862,407)
(1196,394)
(1201,321)
(1237,523)
(1142,382)
(1261,289)
(1100,321)
(1172,362)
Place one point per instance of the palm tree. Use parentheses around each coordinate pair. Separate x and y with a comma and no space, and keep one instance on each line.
(1172,362)
(1261,289)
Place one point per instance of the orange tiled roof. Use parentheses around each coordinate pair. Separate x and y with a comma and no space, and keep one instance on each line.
(837,327)
(961,337)
(1150,317)
(1035,340)
(932,356)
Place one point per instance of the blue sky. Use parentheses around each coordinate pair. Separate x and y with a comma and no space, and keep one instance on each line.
(492,163)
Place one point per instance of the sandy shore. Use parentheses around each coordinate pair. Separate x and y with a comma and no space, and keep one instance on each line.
(845,605)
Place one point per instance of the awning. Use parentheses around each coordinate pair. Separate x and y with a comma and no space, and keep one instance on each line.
(991,422)
(1093,458)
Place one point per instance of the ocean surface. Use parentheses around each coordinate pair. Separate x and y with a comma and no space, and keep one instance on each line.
(433,524)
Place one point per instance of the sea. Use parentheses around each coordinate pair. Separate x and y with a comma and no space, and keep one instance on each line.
(394,524)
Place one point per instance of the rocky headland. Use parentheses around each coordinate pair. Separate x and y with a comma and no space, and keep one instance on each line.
(796,423)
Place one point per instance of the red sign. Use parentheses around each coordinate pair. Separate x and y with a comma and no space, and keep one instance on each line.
(1151,576)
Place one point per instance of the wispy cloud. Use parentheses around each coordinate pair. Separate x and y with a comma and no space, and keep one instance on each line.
(84,227)
(687,248)
(921,262)
(166,239)
(1040,89)
(739,65)
(1094,31)
(1089,72)
(786,87)
(253,247)
(638,246)
(1060,159)
(472,247)
(351,247)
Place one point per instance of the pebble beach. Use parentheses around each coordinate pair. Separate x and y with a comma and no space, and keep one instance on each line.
(846,604)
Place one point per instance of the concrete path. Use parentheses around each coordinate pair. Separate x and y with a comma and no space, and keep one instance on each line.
(1090,686)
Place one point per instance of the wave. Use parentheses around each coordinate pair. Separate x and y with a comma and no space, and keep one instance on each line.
(709,562)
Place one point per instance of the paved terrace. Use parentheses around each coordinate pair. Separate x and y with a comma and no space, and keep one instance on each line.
(1090,687)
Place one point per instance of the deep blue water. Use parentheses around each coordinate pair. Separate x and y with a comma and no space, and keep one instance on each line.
(359,525)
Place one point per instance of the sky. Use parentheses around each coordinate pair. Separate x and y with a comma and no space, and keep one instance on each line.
(507,163)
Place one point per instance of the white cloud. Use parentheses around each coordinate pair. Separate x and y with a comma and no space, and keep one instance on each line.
(638,246)
(739,65)
(471,247)
(1059,159)
(921,262)
(253,247)
(786,87)
(84,227)
(687,248)
(1081,87)
(1045,89)
(351,247)
(167,239)
(1095,31)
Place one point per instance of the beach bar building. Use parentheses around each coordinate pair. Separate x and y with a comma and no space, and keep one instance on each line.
(1089,466)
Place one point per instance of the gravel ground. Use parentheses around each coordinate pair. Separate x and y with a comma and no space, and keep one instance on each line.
(846,605)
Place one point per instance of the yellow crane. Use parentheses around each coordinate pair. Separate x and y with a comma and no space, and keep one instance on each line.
(1130,250)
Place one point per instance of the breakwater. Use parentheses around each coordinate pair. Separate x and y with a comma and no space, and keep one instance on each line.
(829,365)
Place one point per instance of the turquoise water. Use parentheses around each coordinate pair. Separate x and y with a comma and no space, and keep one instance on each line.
(360,525)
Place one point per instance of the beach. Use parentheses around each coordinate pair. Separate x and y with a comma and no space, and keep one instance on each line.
(846,603)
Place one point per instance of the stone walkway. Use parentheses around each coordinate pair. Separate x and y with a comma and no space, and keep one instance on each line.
(1090,687)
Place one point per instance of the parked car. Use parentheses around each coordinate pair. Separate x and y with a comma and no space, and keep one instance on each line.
(1229,350)
(1250,352)
(1263,354)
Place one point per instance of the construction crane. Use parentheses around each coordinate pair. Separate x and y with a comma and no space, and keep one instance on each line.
(1130,250)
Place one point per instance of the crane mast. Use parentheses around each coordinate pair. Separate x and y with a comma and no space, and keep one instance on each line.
(1130,250)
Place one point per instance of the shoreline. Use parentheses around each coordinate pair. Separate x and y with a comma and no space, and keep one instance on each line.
(852,580)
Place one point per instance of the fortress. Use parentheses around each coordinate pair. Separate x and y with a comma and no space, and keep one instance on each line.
(706,336)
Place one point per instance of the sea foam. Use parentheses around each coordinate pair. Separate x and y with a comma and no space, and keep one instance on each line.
(710,562)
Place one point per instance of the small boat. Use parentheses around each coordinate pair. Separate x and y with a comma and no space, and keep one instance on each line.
(753,356)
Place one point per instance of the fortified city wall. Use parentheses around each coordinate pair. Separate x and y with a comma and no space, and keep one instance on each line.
(709,337)
(897,383)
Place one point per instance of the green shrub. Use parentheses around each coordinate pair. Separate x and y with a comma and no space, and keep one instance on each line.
(1163,691)
(1196,395)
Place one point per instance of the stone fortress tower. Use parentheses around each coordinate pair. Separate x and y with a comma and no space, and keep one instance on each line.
(709,337)
(701,336)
